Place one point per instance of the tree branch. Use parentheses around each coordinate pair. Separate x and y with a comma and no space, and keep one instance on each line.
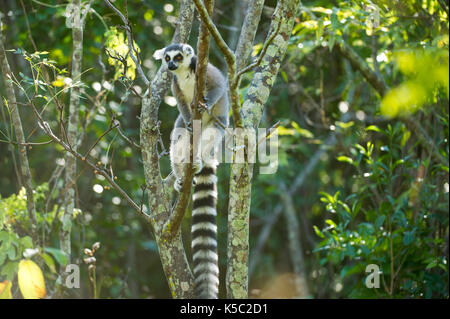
(295,244)
(261,56)
(206,19)
(171,250)
(172,226)
(97,170)
(247,36)
(358,63)
(131,48)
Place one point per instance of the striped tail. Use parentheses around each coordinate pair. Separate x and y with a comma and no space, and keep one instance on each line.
(204,229)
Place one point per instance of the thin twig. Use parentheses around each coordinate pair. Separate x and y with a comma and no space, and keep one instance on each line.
(131,47)
(97,170)
(126,138)
(206,19)
(114,124)
(261,55)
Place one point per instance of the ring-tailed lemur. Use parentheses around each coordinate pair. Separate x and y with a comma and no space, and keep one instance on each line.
(181,61)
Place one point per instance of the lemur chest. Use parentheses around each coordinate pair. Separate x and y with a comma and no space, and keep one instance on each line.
(186,83)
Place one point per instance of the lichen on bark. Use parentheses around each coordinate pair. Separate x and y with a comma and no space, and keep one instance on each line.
(241,174)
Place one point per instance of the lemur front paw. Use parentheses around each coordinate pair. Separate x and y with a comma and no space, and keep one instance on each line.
(178,184)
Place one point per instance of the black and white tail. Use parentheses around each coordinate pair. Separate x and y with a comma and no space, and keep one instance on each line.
(204,230)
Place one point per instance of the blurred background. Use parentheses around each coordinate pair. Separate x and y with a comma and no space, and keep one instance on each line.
(362,176)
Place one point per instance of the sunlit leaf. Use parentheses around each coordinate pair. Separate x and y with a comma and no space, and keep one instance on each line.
(318,232)
(373,128)
(31,280)
(148,15)
(345,159)
(5,290)
(59,81)
(302,131)
(331,223)
(285,131)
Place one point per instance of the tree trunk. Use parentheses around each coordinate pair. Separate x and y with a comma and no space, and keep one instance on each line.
(241,174)
(18,130)
(72,128)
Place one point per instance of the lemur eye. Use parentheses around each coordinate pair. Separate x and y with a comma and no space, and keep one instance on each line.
(167,58)
(179,57)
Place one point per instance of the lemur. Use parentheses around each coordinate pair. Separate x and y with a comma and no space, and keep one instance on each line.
(181,60)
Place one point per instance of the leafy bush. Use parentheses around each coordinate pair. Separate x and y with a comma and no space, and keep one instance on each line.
(395,217)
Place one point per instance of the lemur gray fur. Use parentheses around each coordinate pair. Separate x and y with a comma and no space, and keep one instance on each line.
(180,59)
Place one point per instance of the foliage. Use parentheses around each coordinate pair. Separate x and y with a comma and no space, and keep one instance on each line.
(31,280)
(376,195)
(117,47)
(427,70)
(392,218)
(15,224)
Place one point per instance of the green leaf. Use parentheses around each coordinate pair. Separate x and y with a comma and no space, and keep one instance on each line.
(27,242)
(408,237)
(331,223)
(58,254)
(11,252)
(319,30)
(49,262)
(379,221)
(318,232)
(9,270)
(334,19)
(345,159)
(331,41)
(345,125)
(284,76)
(285,131)
(302,131)
(373,128)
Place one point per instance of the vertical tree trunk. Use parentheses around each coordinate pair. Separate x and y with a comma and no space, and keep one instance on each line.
(171,250)
(241,174)
(70,174)
(20,138)
(294,244)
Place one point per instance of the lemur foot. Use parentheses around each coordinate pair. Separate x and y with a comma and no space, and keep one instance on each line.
(197,166)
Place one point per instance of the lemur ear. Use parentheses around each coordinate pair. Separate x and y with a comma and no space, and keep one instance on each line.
(158,55)
(187,49)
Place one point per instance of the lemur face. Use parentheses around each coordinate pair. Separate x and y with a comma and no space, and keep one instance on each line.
(177,56)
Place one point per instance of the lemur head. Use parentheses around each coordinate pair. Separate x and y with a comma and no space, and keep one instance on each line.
(179,57)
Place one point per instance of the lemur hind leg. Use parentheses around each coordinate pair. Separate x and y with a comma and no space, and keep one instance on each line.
(179,151)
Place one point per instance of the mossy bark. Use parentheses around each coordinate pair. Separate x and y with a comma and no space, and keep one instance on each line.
(72,128)
(241,174)
(171,250)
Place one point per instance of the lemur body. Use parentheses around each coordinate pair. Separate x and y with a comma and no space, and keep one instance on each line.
(181,61)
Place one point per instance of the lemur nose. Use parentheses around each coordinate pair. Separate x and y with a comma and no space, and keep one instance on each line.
(172,66)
